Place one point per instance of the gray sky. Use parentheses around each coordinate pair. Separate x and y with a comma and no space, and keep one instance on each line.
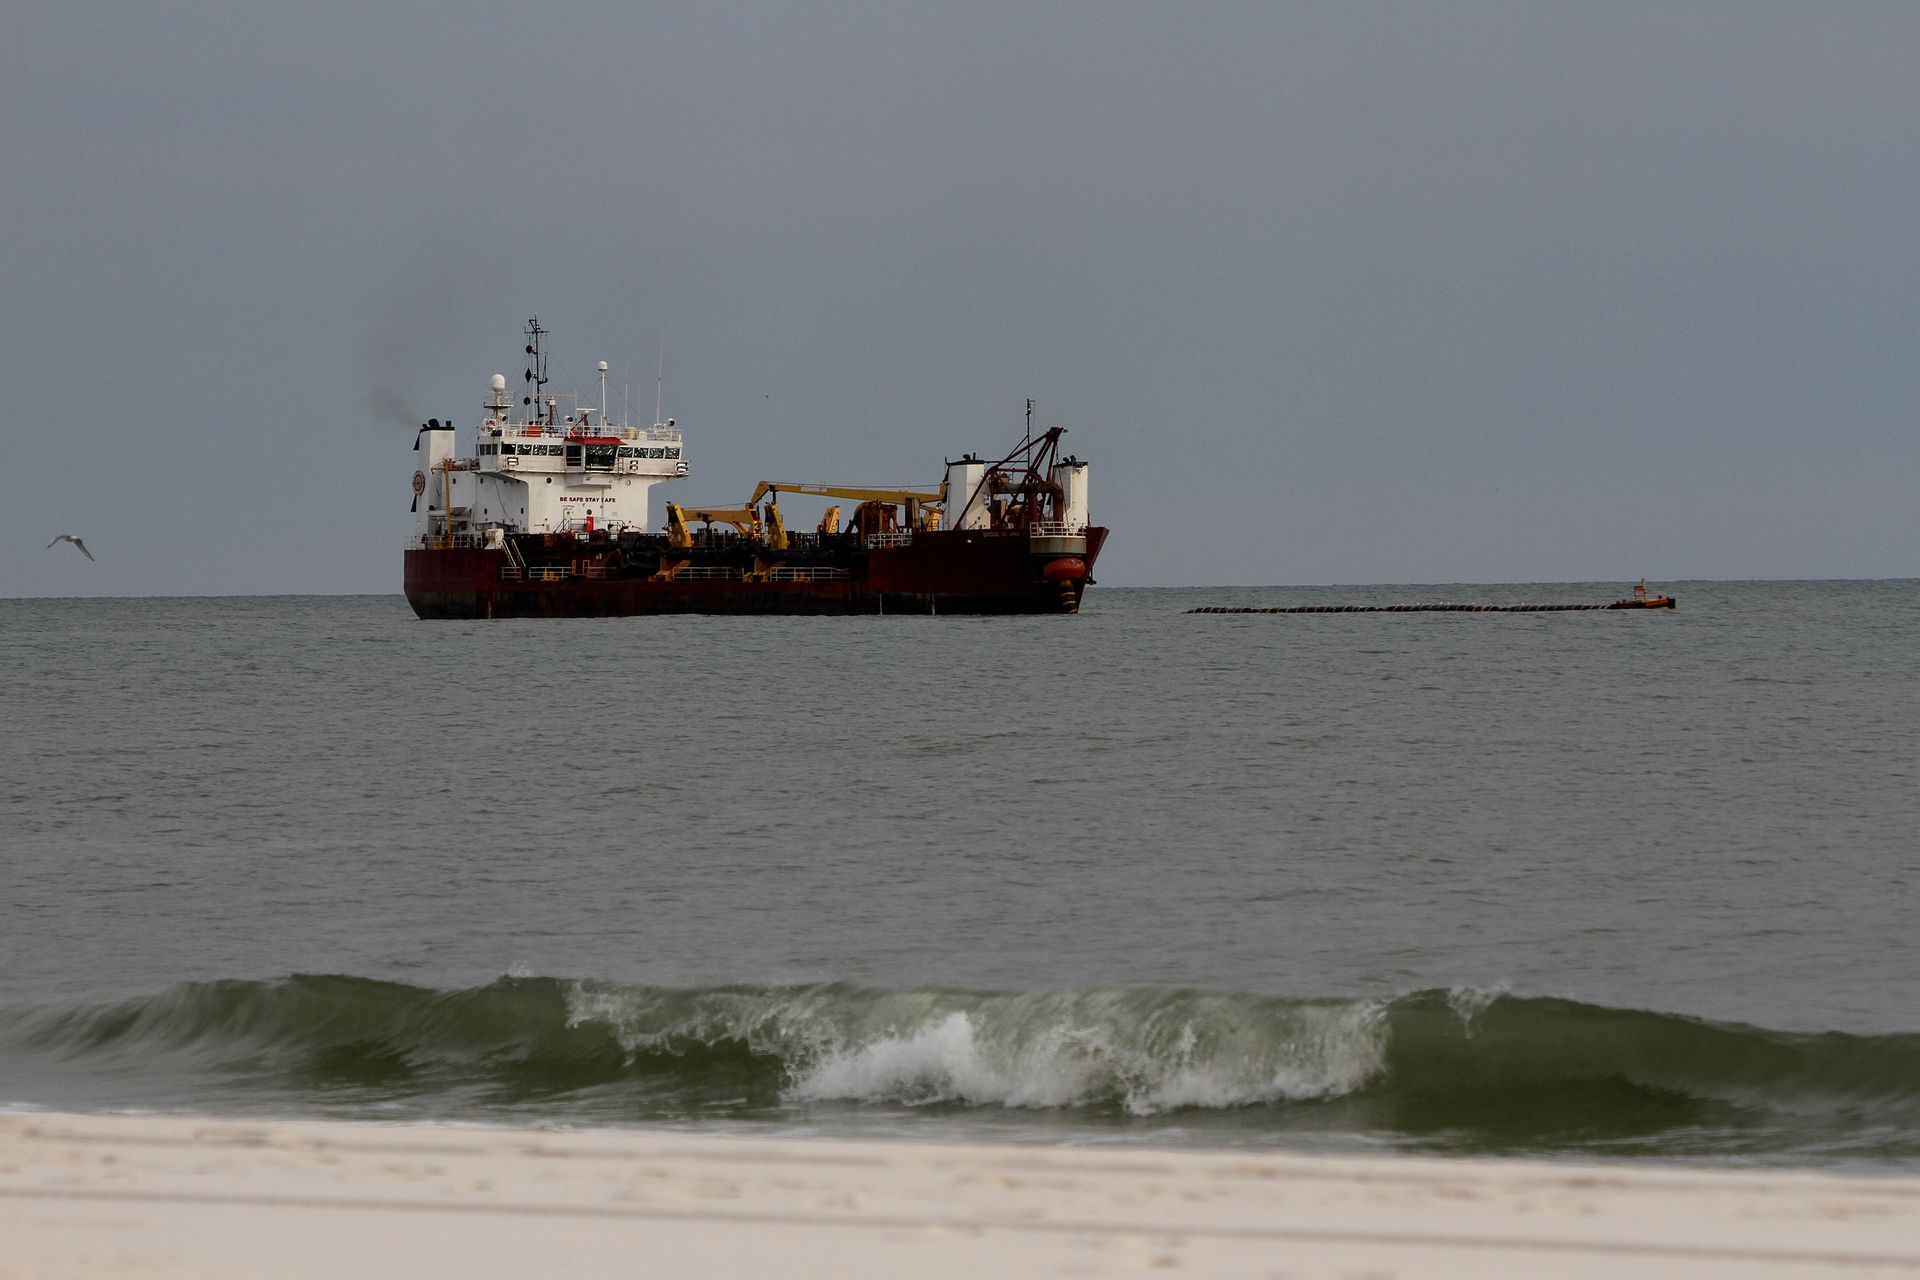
(1327,293)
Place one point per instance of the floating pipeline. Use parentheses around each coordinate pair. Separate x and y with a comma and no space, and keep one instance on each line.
(1459,1071)
(1662,602)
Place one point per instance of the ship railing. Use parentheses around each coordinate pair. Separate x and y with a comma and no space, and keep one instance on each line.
(891,538)
(1055,529)
(450,542)
(810,573)
(590,569)
(561,431)
(539,431)
(534,573)
(707,573)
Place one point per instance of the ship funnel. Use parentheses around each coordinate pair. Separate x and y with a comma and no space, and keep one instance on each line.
(966,494)
(1071,475)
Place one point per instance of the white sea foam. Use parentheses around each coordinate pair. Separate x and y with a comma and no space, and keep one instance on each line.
(648,1019)
(1469,1002)
(1325,1053)
(942,1061)
(1328,1052)
(606,1006)
(1148,1052)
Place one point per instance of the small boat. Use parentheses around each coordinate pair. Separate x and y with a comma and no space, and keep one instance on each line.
(1641,600)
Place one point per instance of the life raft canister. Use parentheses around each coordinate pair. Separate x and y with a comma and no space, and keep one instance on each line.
(1065,569)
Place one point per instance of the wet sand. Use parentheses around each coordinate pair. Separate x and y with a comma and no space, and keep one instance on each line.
(119,1196)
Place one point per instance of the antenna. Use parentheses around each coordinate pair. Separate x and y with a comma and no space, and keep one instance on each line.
(603,395)
(536,367)
(660,379)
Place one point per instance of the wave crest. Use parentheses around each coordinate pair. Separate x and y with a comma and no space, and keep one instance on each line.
(1145,1051)
(1481,1070)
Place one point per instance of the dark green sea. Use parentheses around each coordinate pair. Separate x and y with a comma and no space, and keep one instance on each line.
(1567,885)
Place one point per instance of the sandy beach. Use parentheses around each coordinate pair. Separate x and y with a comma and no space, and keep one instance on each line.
(176,1197)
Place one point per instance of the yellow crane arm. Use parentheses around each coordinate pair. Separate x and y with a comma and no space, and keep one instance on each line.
(776,528)
(678,535)
(926,497)
(745,519)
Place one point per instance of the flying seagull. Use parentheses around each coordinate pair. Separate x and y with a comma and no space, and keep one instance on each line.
(67,537)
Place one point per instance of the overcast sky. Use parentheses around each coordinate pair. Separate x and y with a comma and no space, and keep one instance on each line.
(1326,293)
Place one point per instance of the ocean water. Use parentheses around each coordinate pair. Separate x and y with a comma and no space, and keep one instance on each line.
(1576,885)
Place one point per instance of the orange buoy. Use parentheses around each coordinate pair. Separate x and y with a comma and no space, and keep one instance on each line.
(1065,569)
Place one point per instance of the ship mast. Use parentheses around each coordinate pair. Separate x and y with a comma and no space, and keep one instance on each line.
(536,370)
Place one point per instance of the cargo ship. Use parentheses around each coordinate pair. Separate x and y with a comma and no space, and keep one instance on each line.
(548,518)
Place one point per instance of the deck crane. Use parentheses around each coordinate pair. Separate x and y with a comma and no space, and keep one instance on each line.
(744,519)
(923,506)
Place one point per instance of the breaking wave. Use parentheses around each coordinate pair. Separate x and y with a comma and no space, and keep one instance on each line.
(1460,1070)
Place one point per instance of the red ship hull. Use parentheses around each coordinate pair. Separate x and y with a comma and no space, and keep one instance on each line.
(945,571)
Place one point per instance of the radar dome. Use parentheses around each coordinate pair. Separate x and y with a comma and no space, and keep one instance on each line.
(499,382)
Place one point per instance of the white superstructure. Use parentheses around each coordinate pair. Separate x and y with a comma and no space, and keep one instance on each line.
(1071,475)
(537,468)
(967,497)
